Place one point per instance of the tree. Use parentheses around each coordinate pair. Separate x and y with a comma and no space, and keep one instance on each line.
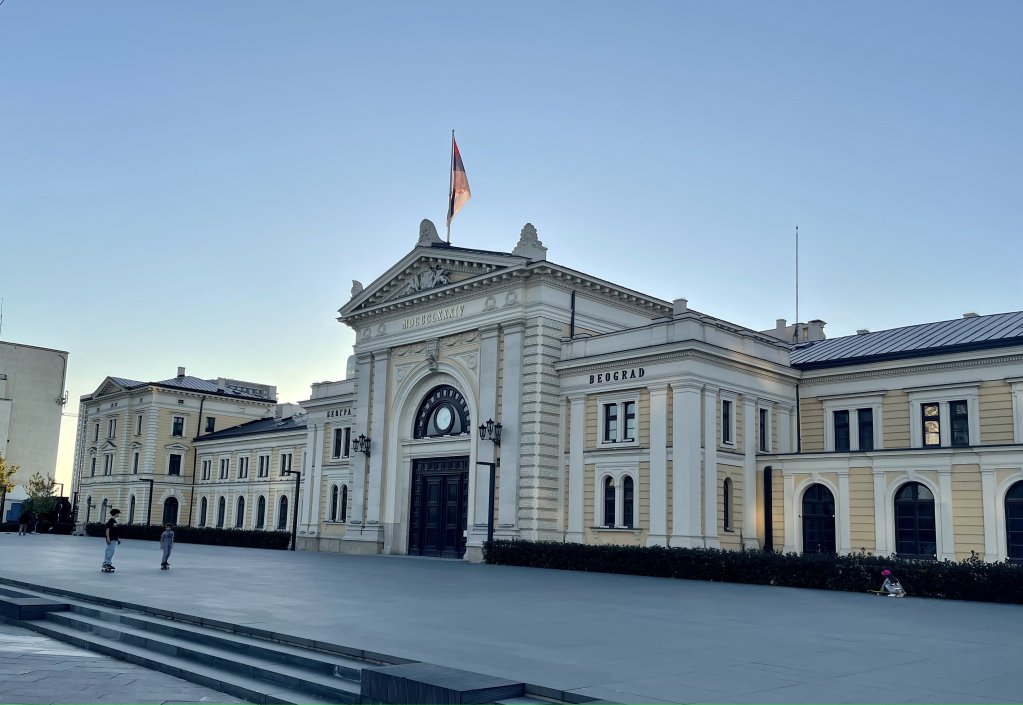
(7,473)
(40,491)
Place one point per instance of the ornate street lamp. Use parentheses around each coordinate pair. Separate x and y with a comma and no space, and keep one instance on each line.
(361,444)
(491,431)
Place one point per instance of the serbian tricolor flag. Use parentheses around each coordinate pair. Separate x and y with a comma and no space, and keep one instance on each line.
(459,183)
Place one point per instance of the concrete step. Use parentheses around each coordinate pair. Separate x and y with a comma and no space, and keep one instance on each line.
(210,675)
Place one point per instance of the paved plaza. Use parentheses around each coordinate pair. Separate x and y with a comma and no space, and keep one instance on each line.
(623,638)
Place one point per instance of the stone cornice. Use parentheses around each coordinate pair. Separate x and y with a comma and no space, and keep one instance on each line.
(914,369)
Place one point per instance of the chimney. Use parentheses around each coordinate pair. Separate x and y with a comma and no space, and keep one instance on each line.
(971,314)
(862,331)
(181,372)
(679,306)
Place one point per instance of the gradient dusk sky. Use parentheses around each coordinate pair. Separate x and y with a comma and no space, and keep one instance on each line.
(197,183)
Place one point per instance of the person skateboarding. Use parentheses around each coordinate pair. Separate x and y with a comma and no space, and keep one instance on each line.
(166,543)
(112,541)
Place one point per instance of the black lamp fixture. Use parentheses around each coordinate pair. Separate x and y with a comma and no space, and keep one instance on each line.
(361,444)
(491,431)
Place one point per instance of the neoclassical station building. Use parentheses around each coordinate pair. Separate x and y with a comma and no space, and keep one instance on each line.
(617,417)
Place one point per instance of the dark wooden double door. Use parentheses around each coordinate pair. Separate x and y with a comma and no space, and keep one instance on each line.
(439,507)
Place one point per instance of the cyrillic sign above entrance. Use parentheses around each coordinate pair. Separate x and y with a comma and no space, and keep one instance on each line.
(437,316)
(617,375)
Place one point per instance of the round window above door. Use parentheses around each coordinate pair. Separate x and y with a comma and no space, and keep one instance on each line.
(443,412)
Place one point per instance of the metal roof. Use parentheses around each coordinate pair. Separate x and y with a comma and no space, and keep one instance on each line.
(127,383)
(270,425)
(961,334)
(206,386)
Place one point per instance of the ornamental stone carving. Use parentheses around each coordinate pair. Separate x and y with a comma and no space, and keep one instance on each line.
(490,304)
(356,287)
(427,234)
(432,276)
(529,245)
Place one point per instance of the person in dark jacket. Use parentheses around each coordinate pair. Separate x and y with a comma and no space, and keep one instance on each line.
(23,522)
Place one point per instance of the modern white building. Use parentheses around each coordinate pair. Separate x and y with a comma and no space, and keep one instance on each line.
(32,397)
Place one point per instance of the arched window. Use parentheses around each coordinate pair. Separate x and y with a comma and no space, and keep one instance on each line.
(726,504)
(239,514)
(628,497)
(221,511)
(333,502)
(609,502)
(131,510)
(170,511)
(202,512)
(915,534)
(88,509)
(261,512)
(282,513)
(818,520)
(444,412)
(344,503)
(1014,522)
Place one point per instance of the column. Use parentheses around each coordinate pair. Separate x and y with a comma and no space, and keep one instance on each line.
(378,427)
(658,535)
(987,484)
(511,419)
(485,450)
(946,537)
(360,463)
(314,480)
(710,468)
(576,489)
(309,459)
(686,477)
(749,473)
(843,522)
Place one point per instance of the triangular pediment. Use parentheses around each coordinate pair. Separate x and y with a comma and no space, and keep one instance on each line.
(427,270)
(114,385)
(176,446)
(108,445)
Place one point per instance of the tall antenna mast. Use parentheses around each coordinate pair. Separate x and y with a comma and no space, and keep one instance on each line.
(451,185)
(1,303)
(797,274)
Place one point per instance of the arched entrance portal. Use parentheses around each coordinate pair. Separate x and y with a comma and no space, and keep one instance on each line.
(170,511)
(818,520)
(1014,522)
(439,501)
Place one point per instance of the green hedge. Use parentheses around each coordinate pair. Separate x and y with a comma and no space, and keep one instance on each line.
(971,579)
(207,535)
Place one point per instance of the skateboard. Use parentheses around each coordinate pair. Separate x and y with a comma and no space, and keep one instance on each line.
(107,568)
(165,566)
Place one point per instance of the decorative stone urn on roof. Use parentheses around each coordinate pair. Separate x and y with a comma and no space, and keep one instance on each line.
(529,244)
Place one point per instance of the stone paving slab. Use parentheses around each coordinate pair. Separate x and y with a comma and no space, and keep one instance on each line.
(38,669)
(646,639)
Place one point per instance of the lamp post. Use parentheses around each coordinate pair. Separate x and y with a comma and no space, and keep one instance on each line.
(491,431)
(294,514)
(149,504)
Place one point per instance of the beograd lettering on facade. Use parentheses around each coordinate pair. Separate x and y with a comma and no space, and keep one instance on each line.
(617,375)
(437,316)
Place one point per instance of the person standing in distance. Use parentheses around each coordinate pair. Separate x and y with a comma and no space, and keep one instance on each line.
(166,543)
(112,540)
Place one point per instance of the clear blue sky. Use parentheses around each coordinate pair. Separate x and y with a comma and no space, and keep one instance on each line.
(197,183)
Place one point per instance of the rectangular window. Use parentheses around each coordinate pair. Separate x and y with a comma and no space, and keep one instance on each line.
(223,469)
(206,466)
(112,428)
(95,432)
(285,463)
(931,415)
(264,466)
(842,431)
(342,442)
(179,426)
(765,432)
(243,468)
(135,464)
(138,425)
(865,425)
(726,421)
(211,424)
(629,417)
(610,423)
(108,464)
(92,471)
(174,464)
(959,421)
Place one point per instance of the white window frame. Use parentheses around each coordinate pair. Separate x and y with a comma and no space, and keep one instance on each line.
(263,463)
(765,445)
(95,432)
(286,463)
(207,468)
(733,399)
(1017,409)
(181,466)
(135,463)
(238,520)
(618,473)
(224,469)
(243,467)
(138,424)
(112,427)
(852,404)
(942,396)
(184,426)
(108,464)
(344,451)
(619,400)
(92,467)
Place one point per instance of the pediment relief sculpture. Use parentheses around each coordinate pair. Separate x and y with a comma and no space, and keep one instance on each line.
(429,278)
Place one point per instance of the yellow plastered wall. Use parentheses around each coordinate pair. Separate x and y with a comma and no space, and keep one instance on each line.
(670,500)
(895,417)
(811,420)
(591,421)
(643,520)
(730,539)
(967,510)
(589,517)
(643,418)
(995,413)
(861,510)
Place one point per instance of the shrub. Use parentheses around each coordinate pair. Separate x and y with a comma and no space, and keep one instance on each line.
(971,579)
(205,535)
(8,526)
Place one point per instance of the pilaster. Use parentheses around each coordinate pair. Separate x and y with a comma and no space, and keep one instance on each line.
(710,468)
(685,469)
(658,535)
(576,468)
(749,474)
(511,419)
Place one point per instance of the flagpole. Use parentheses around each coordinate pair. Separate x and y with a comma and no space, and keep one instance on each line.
(451,183)
(797,275)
